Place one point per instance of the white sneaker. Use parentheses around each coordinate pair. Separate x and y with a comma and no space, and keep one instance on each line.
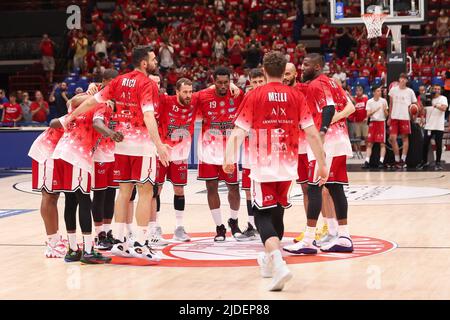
(57,251)
(144,252)
(281,275)
(180,235)
(301,247)
(121,249)
(265,265)
(339,244)
(156,241)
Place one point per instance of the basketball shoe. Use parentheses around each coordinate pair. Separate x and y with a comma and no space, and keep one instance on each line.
(59,250)
(251,233)
(121,249)
(339,244)
(301,248)
(319,234)
(325,239)
(221,233)
(281,275)
(102,242)
(265,265)
(73,256)
(94,257)
(144,252)
(236,231)
(156,240)
(180,235)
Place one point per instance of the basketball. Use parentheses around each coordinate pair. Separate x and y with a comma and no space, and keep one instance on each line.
(414,109)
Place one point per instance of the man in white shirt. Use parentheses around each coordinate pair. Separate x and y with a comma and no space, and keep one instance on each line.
(339,74)
(434,127)
(402,99)
(377,110)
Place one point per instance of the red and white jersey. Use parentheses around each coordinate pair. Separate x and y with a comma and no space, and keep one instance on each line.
(134,94)
(76,146)
(322,92)
(273,114)
(302,143)
(360,113)
(218,114)
(176,125)
(104,146)
(42,148)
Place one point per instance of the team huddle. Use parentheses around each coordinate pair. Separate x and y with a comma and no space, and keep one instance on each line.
(124,135)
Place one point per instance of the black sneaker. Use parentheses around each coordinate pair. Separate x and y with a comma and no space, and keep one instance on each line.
(73,256)
(109,237)
(438,167)
(94,257)
(366,165)
(381,165)
(236,231)
(221,233)
(251,233)
(423,165)
(101,242)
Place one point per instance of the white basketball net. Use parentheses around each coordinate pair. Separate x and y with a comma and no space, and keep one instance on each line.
(374,22)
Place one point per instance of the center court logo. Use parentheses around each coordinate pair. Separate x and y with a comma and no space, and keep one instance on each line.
(202,251)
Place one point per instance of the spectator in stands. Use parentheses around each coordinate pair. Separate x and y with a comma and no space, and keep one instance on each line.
(344,42)
(97,72)
(12,112)
(100,45)
(47,47)
(26,107)
(218,47)
(434,127)
(253,54)
(3,100)
(443,24)
(340,75)
(81,50)
(166,55)
(309,9)
(60,96)
(39,108)
(358,120)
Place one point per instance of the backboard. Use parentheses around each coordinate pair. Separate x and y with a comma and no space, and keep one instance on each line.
(349,12)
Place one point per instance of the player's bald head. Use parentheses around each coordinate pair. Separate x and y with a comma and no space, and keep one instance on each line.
(290,74)
(316,59)
(290,67)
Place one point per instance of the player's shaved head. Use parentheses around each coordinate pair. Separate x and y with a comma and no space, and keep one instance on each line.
(290,74)
(316,58)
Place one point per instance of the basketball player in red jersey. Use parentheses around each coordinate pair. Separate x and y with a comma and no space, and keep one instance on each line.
(217,108)
(329,106)
(290,79)
(274,113)
(136,98)
(257,79)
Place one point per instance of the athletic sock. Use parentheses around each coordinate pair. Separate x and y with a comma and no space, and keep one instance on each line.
(403,157)
(343,231)
(120,231)
(98,229)
(53,239)
(179,214)
(251,216)
(72,241)
(129,228)
(381,159)
(158,214)
(277,258)
(367,159)
(234,214)
(87,238)
(310,235)
(332,226)
(251,220)
(107,227)
(152,227)
(141,234)
(397,158)
(217,216)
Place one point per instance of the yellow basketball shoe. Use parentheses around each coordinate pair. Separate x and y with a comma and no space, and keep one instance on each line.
(321,233)
(299,237)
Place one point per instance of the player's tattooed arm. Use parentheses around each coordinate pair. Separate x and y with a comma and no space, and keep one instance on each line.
(100,127)
(233,144)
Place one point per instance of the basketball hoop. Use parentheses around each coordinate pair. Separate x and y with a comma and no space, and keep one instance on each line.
(374,21)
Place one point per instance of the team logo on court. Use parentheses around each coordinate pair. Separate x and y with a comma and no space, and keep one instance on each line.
(202,251)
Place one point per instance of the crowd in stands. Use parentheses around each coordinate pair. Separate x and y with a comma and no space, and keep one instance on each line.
(193,37)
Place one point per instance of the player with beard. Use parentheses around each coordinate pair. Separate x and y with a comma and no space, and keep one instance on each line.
(330,225)
(136,99)
(329,106)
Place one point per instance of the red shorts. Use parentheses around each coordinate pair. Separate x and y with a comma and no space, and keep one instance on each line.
(377,132)
(302,168)
(400,127)
(208,171)
(176,173)
(134,169)
(269,194)
(68,178)
(246,182)
(103,176)
(42,175)
(337,171)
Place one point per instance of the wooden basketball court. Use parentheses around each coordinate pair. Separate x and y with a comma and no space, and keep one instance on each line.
(404,215)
